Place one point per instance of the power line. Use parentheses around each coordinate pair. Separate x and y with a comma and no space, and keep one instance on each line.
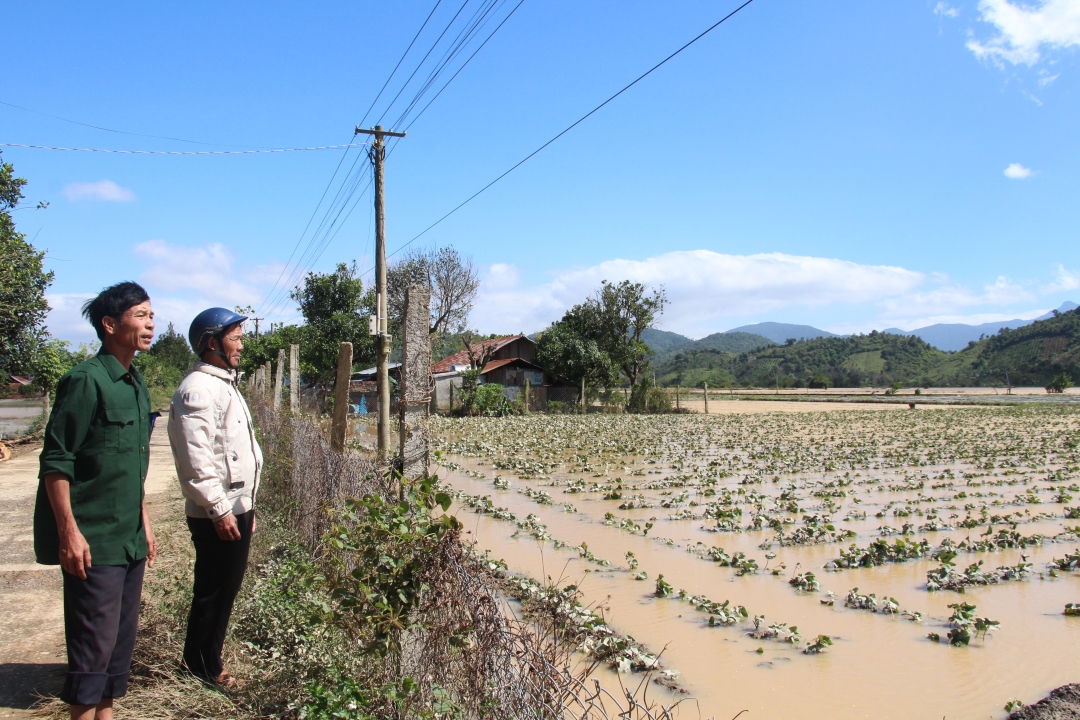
(417,117)
(281,292)
(401,60)
(313,213)
(185,152)
(105,129)
(422,61)
(571,127)
(475,23)
(339,210)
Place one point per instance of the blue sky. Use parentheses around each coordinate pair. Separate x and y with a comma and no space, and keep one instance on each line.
(850,165)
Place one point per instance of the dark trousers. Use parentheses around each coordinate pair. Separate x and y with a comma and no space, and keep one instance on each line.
(101,617)
(219,572)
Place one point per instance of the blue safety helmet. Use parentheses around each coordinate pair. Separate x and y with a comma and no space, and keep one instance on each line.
(211,323)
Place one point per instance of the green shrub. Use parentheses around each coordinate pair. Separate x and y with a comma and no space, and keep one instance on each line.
(1060,383)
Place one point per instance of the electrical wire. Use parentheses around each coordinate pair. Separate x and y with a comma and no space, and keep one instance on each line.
(422,61)
(417,117)
(186,152)
(400,60)
(341,207)
(111,130)
(280,291)
(568,129)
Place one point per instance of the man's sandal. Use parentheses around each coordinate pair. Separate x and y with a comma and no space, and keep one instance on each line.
(225,680)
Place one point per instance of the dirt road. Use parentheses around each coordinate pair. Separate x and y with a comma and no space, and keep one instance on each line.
(32,657)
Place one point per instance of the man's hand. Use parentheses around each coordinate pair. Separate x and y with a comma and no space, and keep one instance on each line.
(226,528)
(74,552)
(151,539)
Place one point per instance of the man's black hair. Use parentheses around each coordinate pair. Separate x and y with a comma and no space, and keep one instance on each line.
(113,302)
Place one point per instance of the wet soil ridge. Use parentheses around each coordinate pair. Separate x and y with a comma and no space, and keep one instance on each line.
(1061,704)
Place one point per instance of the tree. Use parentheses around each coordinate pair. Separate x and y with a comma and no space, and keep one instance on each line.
(172,349)
(620,314)
(571,356)
(1059,384)
(335,310)
(453,281)
(23,282)
(48,363)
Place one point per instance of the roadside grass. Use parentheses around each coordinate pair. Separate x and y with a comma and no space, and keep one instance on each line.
(271,648)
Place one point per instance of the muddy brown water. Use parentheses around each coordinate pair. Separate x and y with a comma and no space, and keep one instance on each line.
(880,666)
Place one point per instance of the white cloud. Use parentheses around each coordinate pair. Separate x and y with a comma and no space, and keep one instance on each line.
(948,301)
(707,290)
(205,272)
(946,10)
(1023,30)
(105,190)
(65,319)
(1016,171)
(1064,280)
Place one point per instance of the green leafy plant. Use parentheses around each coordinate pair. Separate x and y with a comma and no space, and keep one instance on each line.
(381,550)
(663,587)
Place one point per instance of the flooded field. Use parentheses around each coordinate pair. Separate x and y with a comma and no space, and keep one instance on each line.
(830,524)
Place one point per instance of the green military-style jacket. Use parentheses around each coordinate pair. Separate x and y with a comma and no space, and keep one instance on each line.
(99,437)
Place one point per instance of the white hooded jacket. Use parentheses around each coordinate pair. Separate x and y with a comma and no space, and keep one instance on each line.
(218,460)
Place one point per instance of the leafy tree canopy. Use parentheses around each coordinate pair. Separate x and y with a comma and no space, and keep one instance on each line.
(335,310)
(23,282)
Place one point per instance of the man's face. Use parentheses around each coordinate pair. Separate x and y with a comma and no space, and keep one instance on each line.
(231,344)
(134,330)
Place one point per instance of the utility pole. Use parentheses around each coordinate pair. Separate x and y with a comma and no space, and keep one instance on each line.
(382,363)
(257,325)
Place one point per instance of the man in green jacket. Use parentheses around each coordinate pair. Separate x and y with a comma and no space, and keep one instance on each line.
(90,517)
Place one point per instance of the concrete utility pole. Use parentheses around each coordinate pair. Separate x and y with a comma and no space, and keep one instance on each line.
(294,378)
(339,429)
(279,377)
(415,400)
(382,363)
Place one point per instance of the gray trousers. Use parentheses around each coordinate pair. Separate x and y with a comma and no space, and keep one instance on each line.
(101,617)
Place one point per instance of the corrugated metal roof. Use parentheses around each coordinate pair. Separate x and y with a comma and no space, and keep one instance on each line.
(462,357)
(496,364)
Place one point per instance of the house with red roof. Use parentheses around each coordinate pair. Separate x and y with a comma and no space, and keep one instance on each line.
(509,361)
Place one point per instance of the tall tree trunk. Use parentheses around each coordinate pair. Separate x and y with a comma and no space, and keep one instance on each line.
(45,407)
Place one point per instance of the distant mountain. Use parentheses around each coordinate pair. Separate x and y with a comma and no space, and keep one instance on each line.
(876,359)
(665,347)
(661,340)
(1031,354)
(780,333)
(1065,307)
(956,336)
(733,342)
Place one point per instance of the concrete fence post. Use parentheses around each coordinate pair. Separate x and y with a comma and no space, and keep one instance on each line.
(706,391)
(340,427)
(267,375)
(294,378)
(415,404)
(279,378)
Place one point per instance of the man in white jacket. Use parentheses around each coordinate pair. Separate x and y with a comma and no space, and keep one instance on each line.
(218,462)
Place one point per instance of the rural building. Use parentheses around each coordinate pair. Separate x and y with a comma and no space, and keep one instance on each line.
(511,361)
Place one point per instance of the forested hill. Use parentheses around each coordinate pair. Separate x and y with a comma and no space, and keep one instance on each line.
(854,361)
(1029,355)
